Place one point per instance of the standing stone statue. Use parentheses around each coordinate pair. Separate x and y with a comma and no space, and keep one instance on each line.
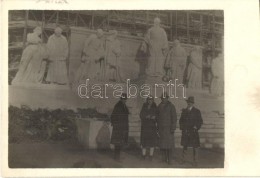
(113,52)
(158,44)
(194,75)
(58,52)
(176,61)
(92,53)
(217,68)
(32,65)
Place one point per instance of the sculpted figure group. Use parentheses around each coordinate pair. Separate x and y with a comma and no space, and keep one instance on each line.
(35,56)
(101,60)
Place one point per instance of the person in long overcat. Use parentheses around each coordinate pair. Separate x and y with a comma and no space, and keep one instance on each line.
(190,123)
(167,118)
(149,132)
(120,124)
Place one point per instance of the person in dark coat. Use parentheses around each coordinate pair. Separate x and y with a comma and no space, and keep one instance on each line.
(119,122)
(190,122)
(149,135)
(167,119)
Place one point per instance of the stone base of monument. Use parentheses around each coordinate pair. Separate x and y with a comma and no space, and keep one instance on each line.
(212,109)
(93,134)
(41,86)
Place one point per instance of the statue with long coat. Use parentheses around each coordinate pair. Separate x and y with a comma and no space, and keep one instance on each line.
(194,72)
(93,51)
(113,53)
(217,68)
(176,61)
(158,45)
(58,52)
(32,65)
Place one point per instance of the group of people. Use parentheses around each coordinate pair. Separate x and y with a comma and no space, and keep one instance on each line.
(158,124)
(38,57)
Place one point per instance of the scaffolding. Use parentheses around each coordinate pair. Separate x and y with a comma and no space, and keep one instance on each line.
(204,28)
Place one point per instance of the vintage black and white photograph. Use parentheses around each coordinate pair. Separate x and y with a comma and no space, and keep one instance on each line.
(116,89)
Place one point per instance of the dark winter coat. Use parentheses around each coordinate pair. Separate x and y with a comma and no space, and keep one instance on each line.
(167,119)
(119,121)
(190,123)
(149,137)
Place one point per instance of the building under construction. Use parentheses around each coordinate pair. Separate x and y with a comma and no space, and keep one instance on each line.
(200,28)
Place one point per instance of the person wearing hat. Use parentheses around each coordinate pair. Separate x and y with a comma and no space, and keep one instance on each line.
(119,122)
(158,45)
(167,119)
(113,52)
(58,52)
(190,122)
(149,136)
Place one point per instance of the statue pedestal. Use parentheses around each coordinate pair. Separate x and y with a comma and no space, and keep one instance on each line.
(93,134)
(41,86)
(53,97)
